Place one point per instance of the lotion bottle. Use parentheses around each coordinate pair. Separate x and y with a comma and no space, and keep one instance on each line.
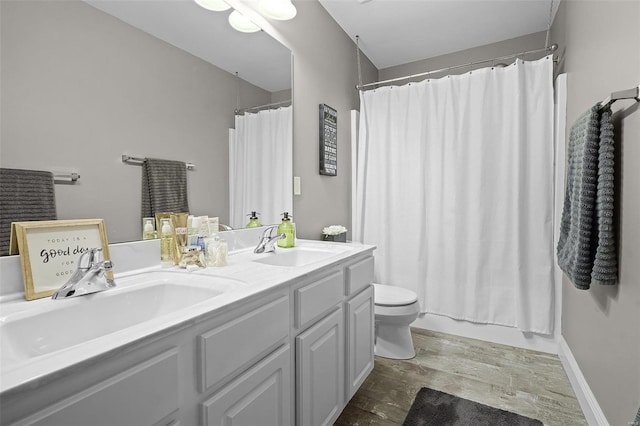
(166,244)
(289,230)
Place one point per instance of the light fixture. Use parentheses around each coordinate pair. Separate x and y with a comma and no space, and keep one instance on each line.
(281,10)
(214,5)
(241,23)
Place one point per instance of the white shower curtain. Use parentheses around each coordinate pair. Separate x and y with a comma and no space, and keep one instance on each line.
(455,188)
(260,166)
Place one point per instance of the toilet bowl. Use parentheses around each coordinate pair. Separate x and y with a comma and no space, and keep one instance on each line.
(395,308)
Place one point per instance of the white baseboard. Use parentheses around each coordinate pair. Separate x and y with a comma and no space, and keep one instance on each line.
(590,407)
(489,332)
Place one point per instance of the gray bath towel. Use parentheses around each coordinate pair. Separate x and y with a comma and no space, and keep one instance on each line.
(164,187)
(586,248)
(605,265)
(25,195)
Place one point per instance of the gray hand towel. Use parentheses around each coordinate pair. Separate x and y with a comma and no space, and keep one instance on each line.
(25,195)
(164,187)
(586,248)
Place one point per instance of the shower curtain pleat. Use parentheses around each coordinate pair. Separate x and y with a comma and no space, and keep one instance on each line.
(260,171)
(455,188)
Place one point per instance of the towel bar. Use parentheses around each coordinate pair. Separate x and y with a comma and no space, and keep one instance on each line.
(633,93)
(139,161)
(71,177)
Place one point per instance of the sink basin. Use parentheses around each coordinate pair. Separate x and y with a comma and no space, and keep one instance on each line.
(59,324)
(296,256)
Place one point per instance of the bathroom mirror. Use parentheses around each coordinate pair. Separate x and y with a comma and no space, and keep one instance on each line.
(86,82)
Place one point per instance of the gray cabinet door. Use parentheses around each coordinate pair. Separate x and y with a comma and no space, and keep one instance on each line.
(320,371)
(260,396)
(360,335)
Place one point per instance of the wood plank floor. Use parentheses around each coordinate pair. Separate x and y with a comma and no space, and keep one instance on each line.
(525,382)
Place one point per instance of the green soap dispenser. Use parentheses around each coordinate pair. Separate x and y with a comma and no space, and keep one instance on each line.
(253,220)
(287,228)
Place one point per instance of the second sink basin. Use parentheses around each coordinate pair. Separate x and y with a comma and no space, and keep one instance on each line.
(64,323)
(296,256)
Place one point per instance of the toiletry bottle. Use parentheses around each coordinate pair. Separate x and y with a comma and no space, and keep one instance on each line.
(192,258)
(217,251)
(204,231)
(214,225)
(287,228)
(202,243)
(253,220)
(147,230)
(166,244)
(223,250)
(180,235)
(213,243)
(193,225)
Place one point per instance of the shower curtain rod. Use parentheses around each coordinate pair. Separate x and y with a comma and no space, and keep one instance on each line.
(633,93)
(241,110)
(551,48)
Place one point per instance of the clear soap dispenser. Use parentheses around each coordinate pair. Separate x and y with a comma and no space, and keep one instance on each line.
(253,220)
(287,228)
(166,243)
(148,232)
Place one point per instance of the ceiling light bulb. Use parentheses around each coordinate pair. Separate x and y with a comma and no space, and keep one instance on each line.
(214,5)
(241,23)
(281,10)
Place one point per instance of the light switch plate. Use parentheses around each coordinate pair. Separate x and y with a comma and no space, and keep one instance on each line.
(296,185)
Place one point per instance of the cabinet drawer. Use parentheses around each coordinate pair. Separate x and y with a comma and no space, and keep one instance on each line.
(144,394)
(235,345)
(316,298)
(260,396)
(359,275)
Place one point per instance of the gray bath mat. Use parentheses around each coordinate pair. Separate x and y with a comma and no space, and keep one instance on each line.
(434,408)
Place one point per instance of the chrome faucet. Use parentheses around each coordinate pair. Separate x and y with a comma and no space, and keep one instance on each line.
(267,242)
(91,276)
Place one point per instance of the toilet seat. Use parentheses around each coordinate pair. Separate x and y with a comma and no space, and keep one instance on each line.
(397,312)
(386,295)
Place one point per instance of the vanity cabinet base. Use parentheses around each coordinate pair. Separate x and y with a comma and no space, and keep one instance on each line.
(295,354)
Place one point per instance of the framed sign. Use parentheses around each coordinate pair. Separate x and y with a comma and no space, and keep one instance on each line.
(49,251)
(328,141)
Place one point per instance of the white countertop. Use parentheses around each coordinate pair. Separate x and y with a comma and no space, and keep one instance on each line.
(251,278)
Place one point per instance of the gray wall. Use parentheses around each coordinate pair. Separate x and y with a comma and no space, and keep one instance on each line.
(602,325)
(493,50)
(80,88)
(281,96)
(78,55)
(325,71)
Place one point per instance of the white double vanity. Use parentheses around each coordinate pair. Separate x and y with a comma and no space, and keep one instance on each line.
(272,339)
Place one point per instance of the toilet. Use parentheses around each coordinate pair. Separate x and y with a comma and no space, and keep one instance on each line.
(395,308)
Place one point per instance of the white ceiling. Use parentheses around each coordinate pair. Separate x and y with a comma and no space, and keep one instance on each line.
(394,32)
(258,58)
